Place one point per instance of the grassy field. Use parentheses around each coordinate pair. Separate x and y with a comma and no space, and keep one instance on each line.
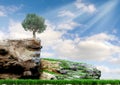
(60,82)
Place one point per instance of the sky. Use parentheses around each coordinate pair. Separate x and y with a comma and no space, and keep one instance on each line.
(77,30)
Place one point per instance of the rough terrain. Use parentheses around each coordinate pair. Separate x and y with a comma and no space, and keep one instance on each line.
(19,59)
(67,70)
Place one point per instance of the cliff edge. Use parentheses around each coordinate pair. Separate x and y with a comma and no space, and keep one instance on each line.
(20,59)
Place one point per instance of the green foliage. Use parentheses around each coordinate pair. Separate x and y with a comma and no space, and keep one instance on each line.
(64,63)
(60,82)
(81,72)
(50,59)
(34,23)
(50,72)
(60,60)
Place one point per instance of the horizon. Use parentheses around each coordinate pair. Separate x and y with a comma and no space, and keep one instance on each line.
(77,30)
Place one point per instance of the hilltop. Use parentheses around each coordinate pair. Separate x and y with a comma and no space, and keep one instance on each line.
(67,70)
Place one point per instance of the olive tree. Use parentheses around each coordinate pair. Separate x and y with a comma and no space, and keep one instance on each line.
(34,23)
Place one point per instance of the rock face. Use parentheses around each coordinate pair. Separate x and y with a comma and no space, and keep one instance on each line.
(67,70)
(47,76)
(20,59)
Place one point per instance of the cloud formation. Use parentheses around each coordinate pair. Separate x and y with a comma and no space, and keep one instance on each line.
(95,48)
(88,48)
(66,13)
(16,31)
(108,71)
(5,10)
(67,25)
(85,7)
(100,47)
(2,14)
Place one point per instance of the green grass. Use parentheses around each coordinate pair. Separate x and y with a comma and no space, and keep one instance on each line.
(50,72)
(50,59)
(61,82)
(63,64)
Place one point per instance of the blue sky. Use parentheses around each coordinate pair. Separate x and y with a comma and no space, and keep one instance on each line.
(77,30)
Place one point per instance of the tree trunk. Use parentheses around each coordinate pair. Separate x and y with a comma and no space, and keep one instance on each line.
(34,35)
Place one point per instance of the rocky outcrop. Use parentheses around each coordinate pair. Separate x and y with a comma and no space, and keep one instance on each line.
(47,76)
(67,70)
(20,59)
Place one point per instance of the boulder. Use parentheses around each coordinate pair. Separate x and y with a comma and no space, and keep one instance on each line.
(74,68)
(62,71)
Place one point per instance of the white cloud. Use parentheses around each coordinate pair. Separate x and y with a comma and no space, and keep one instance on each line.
(2,35)
(102,37)
(96,47)
(97,50)
(68,25)
(16,31)
(108,72)
(66,13)
(103,69)
(116,71)
(115,60)
(50,36)
(47,54)
(5,10)
(13,8)
(91,8)
(85,7)
(2,14)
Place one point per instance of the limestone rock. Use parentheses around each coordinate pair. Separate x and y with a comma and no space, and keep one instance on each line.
(50,66)
(47,76)
(67,70)
(18,59)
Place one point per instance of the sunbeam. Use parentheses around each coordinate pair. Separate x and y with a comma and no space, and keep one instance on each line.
(104,13)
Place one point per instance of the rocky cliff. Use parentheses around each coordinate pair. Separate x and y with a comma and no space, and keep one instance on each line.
(67,70)
(20,59)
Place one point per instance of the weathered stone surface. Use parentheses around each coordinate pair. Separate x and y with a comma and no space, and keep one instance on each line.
(67,70)
(19,59)
(50,66)
(47,76)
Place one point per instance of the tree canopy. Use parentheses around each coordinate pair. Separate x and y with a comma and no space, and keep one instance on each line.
(34,23)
